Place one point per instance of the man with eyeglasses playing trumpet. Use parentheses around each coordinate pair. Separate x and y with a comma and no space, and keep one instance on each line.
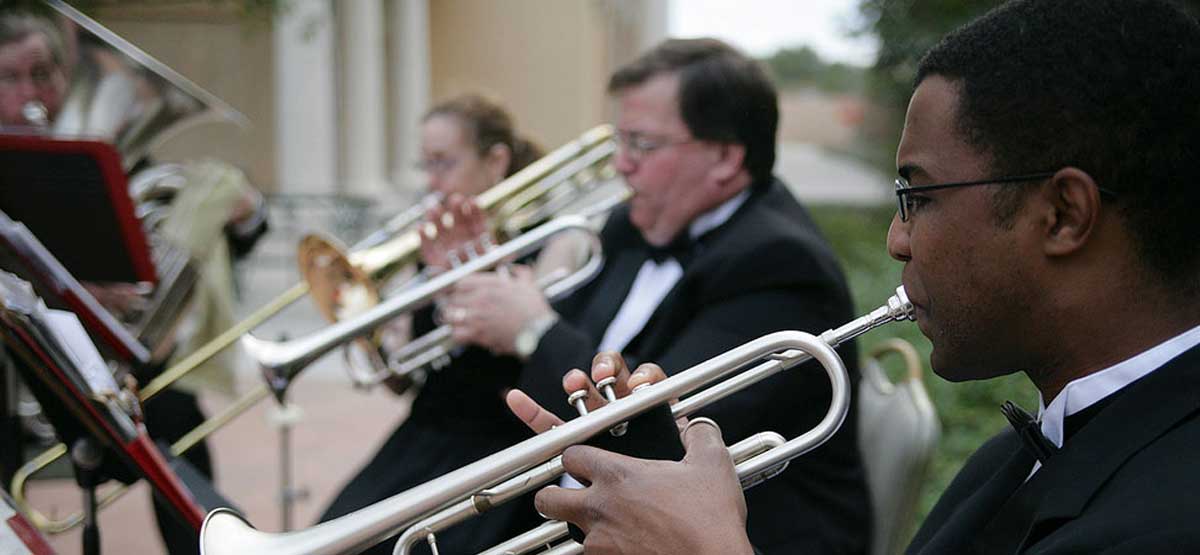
(1046,225)
(711,251)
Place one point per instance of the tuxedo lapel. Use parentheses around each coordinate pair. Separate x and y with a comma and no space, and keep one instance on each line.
(614,283)
(677,308)
(960,528)
(1061,489)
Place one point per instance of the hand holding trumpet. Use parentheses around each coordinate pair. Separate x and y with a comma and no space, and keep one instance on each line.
(487,309)
(455,230)
(621,508)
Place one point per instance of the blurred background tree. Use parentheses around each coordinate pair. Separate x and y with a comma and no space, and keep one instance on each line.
(800,66)
(905,30)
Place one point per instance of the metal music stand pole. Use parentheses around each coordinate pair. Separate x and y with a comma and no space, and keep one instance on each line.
(87,457)
(285,417)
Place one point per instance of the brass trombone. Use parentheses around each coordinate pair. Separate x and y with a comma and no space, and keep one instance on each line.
(281,362)
(567,177)
(531,463)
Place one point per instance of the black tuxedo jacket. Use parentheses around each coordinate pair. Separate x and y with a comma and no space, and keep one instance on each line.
(765,269)
(1127,482)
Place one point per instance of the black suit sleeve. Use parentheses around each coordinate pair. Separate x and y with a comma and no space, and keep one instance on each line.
(563,347)
(719,327)
(242,240)
(1166,542)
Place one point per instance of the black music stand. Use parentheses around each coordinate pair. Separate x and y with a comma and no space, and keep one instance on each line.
(73,195)
(23,255)
(91,413)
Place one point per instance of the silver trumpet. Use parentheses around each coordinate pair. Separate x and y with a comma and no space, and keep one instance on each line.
(476,487)
(550,532)
(281,362)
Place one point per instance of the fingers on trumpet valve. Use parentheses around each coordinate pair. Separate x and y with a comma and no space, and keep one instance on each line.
(448,313)
(530,412)
(610,380)
(581,392)
(454,232)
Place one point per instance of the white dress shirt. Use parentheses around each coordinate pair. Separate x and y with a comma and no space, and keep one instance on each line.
(1084,392)
(654,280)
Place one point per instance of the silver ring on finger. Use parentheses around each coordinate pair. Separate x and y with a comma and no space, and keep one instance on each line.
(700,420)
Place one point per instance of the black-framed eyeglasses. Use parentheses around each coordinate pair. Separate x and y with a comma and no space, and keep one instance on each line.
(638,145)
(904,202)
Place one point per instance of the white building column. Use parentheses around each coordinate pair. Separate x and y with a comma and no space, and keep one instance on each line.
(636,26)
(410,89)
(362,108)
(305,100)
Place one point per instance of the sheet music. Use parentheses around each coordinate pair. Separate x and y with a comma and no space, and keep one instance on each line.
(73,339)
(61,282)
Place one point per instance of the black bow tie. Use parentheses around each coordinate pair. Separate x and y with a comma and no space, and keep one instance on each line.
(1029,430)
(679,248)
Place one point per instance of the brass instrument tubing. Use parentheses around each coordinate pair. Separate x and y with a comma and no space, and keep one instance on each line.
(554,530)
(51,526)
(219,343)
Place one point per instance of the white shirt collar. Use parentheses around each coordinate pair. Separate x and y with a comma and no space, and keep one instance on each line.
(713,218)
(655,280)
(1091,389)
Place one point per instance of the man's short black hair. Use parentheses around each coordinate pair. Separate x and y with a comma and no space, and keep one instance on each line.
(724,96)
(1109,86)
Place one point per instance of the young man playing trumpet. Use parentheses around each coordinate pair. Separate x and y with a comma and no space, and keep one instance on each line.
(1047,194)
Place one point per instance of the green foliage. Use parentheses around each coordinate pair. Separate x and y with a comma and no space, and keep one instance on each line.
(801,66)
(969,412)
(906,29)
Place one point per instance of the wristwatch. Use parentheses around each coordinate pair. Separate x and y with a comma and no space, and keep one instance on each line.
(531,334)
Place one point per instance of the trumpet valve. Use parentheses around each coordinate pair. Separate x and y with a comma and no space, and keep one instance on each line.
(432,540)
(576,400)
(486,243)
(606,388)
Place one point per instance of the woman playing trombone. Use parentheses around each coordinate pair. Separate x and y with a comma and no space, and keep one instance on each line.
(468,144)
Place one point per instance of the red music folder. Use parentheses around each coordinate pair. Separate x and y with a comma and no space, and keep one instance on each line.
(73,195)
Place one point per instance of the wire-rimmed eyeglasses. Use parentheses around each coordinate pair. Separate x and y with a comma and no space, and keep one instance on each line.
(638,145)
(904,204)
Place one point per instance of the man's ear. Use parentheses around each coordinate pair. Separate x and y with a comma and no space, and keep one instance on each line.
(496,160)
(1071,208)
(729,161)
